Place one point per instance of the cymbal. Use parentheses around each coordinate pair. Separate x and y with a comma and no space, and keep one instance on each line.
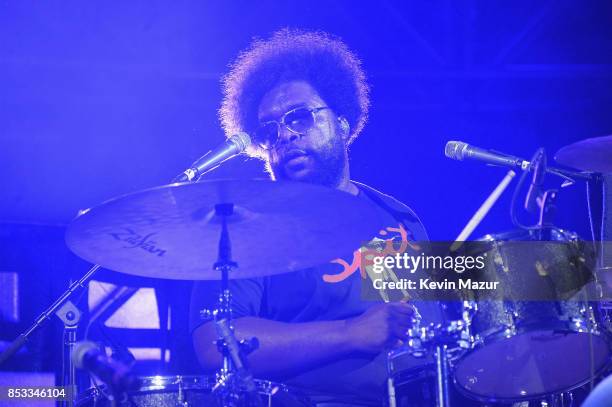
(173,231)
(592,154)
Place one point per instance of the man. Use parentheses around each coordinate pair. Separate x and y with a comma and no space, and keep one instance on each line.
(303,98)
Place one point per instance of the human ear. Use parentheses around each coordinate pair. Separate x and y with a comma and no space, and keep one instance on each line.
(344,127)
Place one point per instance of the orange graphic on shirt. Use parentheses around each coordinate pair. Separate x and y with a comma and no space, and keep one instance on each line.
(349,269)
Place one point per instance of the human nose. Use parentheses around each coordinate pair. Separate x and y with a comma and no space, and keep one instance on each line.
(285,135)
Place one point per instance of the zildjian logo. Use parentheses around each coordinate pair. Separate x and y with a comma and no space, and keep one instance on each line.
(136,240)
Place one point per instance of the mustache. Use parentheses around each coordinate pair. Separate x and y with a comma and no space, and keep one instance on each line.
(293,153)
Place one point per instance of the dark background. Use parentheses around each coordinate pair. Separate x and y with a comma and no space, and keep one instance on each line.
(98,99)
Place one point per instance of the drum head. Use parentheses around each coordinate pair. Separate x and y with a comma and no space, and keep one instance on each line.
(531,365)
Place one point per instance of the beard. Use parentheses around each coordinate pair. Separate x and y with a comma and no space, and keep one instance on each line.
(327,166)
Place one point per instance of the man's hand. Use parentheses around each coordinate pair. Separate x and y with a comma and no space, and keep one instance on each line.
(380,327)
(287,349)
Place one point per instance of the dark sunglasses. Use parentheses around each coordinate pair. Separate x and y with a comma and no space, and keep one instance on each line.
(297,121)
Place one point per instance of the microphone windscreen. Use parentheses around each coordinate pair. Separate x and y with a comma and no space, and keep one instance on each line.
(79,351)
(242,140)
(455,150)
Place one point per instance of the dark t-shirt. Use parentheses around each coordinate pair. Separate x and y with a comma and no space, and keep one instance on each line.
(304,296)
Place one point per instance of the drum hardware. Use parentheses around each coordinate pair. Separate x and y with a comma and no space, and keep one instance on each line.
(507,330)
(455,334)
(181,393)
(178,221)
(537,200)
(188,391)
(161,232)
(70,316)
(234,381)
(529,338)
(565,399)
(439,340)
(594,154)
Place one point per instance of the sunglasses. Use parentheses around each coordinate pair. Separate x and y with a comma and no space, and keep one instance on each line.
(297,121)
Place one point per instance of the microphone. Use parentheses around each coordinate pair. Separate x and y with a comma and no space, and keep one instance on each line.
(233,146)
(458,150)
(86,355)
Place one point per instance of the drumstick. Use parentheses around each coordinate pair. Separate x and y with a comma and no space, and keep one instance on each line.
(482,211)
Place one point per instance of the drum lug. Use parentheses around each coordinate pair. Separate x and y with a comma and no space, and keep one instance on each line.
(206,315)
(510,331)
(181,394)
(593,328)
(466,338)
(417,336)
(565,399)
(469,309)
(587,322)
(510,323)
(269,389)
(462,328)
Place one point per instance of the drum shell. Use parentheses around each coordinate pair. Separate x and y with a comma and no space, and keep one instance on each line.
(524,350)
(528,269)
(414,379)
(193,390)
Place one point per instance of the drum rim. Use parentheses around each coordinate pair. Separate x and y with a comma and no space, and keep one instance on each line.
(510,235)
(188,382)
(496,336)
(521,329)
(607,362)
(484,399)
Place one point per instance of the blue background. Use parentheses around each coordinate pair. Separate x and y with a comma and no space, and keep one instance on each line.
(102,98)
(99,99)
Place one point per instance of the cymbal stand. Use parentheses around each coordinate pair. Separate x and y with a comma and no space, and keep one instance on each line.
(70,316)
(442,397)
(234,381)
(455,333)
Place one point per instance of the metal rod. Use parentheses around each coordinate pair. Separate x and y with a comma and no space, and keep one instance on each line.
(42,318)
(391,392)
(70,335)
(442,397)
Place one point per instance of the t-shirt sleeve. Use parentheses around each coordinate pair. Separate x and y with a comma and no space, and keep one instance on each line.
(416,229)
(247,295)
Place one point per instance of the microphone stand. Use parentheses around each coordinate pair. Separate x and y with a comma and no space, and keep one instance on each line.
(54,308)
(46,315)
(70,317)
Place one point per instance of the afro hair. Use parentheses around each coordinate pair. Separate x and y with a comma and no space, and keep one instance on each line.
(318,58)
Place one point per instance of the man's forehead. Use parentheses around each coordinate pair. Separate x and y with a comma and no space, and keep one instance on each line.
(286,96)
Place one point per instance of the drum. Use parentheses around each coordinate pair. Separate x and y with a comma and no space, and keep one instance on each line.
(525,350)
(186,391)
(414,379)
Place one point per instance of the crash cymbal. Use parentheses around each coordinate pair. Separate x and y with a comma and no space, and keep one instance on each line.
(592,154)
(173,231)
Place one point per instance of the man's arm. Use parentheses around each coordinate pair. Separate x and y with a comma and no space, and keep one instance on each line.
(287,349)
